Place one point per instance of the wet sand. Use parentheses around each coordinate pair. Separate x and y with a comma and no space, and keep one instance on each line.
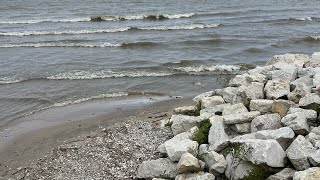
(33,137)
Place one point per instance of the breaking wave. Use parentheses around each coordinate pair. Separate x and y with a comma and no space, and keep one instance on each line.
(60,44)
(213,68)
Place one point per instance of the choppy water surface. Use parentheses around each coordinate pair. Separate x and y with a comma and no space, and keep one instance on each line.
(56,53)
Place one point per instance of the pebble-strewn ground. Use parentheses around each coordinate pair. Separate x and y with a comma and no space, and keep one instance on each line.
(113,153)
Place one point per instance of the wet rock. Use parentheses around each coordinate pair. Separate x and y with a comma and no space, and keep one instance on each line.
(308,174)
(235,108)
(240,117)
(262,105)
(284,174)
(264,122)
(276,89)
(298,153)
(189,163)
(196,176)
(162,168)
(215,162)
(218,139)
(282,107)
(211,101)
(297,122)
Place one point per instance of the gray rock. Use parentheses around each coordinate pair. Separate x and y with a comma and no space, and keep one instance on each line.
(264,122)
(306,80)
(183,123)
(284,174)
(218,139)
(211,101)
(276,89)
(203,149)
(298,153)
(188,164)
(159,179)
(228,93)
(311,115)
(264,70)
(241,96)
(282,107)
(314,158)
(309,174)
(314,137)
(239,80)
(215,110)
(297,122)
(161,168)
(315,60)
(215,162)
(176,147)
(262,105)
(198,98)
(282,135)
(310,100)
(297,60)
(256,77)
(241,117)
(235,108)
(186,110)
(285,72)
(236,167)
(309,71)
(196,176)
(300,91)
(243,128)
(254,91)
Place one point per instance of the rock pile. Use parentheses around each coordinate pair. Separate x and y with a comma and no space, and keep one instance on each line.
(265,125)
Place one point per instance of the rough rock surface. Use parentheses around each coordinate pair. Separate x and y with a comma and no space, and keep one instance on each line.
(297,60)
(196,176)
(264,122)
(309,100)
(297,122)
(189,163)
(282,107)
(309,174)
(241,117)
(183,123)
(215,162)
(218,138)
(235,108)
(262,105)
(176,148)
(284,174)
(276,89)
(211,101)
(162,168)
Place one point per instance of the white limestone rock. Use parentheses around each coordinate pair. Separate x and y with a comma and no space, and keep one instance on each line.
(203,149)
(308,71)
(235,108)
(176,147)
(255,91)
(314,137)
(264,122)
(297,60)
(306,80)
(308,174)
(262,105)
(314,158)
(282,107)
(183,123)
(186,110)
(189,164)
(284,71)
(228,93)
(215,162)
(264,70)
(195,176)
(309,100)
(298,153)
(240,117)
(239,80)
(198,98)
(297,122)
(237,168)
(160,168)
(211,101)
(215,110)
(311,115)
(299,91)
(218,138)
(276,89)
(243,128)
(284,174)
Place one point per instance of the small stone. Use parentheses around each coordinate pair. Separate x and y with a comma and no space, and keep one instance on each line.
(276,89)
(262,105)
(308,174)
(264,122)
(188,163)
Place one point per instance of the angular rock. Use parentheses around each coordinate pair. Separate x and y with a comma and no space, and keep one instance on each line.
(284,174)
(241,117)
(298,153)
(297,60)
(211,101)
(215,162)
(276,89)
(235,108)
(282,135)
(315,60)
(297,122)
(196,176)
(176,147)
(161,168)
(314,158)
(256,77)
(300,91)
(187,110)
(282,107)
(286,72)
(203,149)
(264,70)
(264,122)
(243,128)
(188,163)
(310,101)
(218,139)
(241,96)
(262,105)
(314,137)
(309,72)
(228,93)
(311,115)
(215,110)
(316,79)
(198,98)
(309,174)
(306,80)
(239,80)
(237,168)
(183,123)
(255,91)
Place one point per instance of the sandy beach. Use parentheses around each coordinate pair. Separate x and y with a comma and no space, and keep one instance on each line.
(23,143)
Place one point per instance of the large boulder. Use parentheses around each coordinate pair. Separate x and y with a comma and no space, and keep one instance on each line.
(176,147)
(245,94)
(314,137)
(276,89)
(299,91)
(183,123)
(215,162)
(239,80)
(310,101)
(306,80)
(311,115)
(282,106)
(215,110)
(189,164)
(228,93)
(267,121)
(298,153)
(316,79)
(240,117)
(284,174)
(297,60)
(218,138)
(315,60)
(211,101)
(262,105)
(308,174)
(264,70)
(237,168)
(297,122)
(314,158)
(161,168)
(242,128)
(196,176)
(284,71)
(186,110)
(235,108)
(198,98)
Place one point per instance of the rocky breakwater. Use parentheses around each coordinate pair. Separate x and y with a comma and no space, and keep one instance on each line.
(265,125)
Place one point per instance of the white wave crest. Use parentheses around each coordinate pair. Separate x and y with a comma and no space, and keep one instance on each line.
(316,38)
(181,27)
(8,80)
(177,16)
(60,44)
(88,31)
(34,21)
(101,96)
(82,75)
(302,19)
(213,68)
